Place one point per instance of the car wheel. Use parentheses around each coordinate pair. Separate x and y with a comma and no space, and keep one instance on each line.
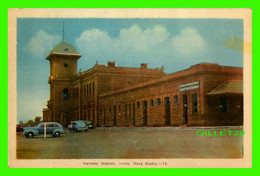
(56,134)
(29,135)
(86,130)
(77,130)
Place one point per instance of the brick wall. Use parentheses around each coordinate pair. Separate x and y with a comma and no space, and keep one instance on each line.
(209,77)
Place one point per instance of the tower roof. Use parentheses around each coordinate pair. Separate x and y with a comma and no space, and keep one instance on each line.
(64,48)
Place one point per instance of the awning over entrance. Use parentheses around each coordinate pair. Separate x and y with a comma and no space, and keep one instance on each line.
(228,87)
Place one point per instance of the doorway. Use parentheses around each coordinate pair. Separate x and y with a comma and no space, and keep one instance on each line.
(105,114)
(134,114)
(185,109)
(145,113)
(114,115)
(167,111)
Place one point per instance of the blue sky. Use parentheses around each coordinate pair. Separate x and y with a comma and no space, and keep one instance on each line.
(174,43)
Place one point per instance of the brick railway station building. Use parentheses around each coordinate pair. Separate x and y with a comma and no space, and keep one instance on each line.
(202,95)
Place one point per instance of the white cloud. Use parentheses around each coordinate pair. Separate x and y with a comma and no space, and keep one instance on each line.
(42,43)
(93,41)
(143,41)
(188,42)
(133,45)
(133,39)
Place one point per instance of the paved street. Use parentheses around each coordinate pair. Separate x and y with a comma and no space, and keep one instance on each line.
(132,143)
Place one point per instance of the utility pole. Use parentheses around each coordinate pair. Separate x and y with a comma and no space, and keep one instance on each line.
(45,130)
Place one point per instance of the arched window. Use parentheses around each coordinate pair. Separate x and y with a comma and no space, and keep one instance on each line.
(151,103)
(65,94)
(158,101)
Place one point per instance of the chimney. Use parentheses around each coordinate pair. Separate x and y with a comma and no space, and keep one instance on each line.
(144,66)
(111,64)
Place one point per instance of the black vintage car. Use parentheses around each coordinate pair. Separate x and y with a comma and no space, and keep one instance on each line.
(89,124)
(78,126)
(19,128)
(52,128)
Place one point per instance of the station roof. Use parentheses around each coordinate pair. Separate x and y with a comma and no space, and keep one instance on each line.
(228,87)
(64,48)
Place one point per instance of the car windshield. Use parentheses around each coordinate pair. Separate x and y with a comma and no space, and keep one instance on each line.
(40,125)
(48,125)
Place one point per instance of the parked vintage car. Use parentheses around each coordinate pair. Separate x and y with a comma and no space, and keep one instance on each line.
(78,126)
(19,128)
(89,124)
(53,128)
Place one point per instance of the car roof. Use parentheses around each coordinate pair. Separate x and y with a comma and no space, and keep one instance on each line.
(78,121)
(49,122)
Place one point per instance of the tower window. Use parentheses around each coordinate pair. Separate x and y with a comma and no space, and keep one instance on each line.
(65,94)
(66,65)
(66,49)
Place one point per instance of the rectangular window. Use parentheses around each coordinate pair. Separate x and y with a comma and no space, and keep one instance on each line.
(55,125)
(125,111)
(90,89)
(176,99)
(130,109)
(194,103)
(84,90)
(151,103)
(87,90)
(93,87)
(222,104)
(138,104)
(158,101)
(50,125)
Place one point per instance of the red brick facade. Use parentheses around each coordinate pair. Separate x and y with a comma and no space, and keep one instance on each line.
(121,96)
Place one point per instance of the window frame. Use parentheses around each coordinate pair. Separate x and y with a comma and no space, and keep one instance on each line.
(158,102)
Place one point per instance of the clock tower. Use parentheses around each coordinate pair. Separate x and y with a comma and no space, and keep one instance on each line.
(63,66)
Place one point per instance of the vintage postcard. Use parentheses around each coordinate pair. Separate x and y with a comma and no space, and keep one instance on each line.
(130,88)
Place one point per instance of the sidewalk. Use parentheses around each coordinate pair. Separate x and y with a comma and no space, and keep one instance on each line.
(172,128)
